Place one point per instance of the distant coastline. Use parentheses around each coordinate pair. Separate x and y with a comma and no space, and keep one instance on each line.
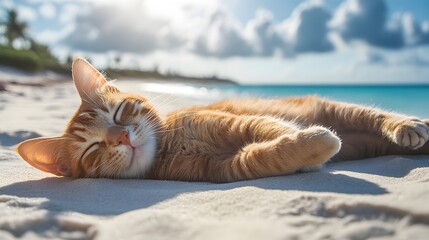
(26,66)
(140,74)
(43,77)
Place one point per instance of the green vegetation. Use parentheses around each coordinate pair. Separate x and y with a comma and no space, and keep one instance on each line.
(22,59)
(28,60)
(31,56)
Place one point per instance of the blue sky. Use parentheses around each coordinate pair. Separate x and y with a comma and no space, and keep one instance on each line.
(251,41)
(245,9)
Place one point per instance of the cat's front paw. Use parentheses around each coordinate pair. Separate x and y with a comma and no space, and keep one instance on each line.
(411,133)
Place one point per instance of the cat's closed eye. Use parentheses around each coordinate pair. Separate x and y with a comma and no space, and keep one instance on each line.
(118,112)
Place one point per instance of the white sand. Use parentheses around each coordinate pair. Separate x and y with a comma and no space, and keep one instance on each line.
(382,198)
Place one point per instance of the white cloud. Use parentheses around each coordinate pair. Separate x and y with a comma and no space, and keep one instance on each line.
(414,33)
(52,37)
(264,36)
(121,27)
(367,20)
(48,10)
(222,37)
(307,28)
(205,28)
(305,31)
(69,13)
(7,4)
(425,27)
(26,13)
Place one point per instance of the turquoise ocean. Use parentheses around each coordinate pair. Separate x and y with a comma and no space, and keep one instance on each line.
(407,99)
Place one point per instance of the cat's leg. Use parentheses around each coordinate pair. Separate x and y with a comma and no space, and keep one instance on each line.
(402,130)
(365,132)
(285,154)
(342,117)
(360,145)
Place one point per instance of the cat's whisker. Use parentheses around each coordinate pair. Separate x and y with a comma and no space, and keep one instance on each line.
(167,102)
(138,131)
(152,115)
(154,126)
(169,130)
(96,168)
(184,115)
(108,171)
(157,97)
(163,101)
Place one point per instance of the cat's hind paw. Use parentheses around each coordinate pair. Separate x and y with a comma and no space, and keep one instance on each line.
(411,133)
(322,144)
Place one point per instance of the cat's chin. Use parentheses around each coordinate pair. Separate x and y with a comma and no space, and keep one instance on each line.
(142,158)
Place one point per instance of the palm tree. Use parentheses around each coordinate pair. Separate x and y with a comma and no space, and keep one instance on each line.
(14,28)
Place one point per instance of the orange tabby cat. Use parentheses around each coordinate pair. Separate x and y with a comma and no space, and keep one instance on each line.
(119,135)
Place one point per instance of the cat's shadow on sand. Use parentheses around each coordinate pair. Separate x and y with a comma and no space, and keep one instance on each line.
(110,196)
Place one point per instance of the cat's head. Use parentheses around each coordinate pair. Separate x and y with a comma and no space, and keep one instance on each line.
(112,134)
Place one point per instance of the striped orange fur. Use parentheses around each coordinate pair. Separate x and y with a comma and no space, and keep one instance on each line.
(119,135)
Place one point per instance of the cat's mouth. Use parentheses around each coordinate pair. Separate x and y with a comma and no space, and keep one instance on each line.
(136,152)
(141,154)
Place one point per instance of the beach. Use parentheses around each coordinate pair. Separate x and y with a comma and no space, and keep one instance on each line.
(382,198)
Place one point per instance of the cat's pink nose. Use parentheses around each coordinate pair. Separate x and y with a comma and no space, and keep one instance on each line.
(118,135)
(123,139)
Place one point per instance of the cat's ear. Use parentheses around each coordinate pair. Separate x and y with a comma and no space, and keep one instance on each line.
(46,154)
(86,78)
